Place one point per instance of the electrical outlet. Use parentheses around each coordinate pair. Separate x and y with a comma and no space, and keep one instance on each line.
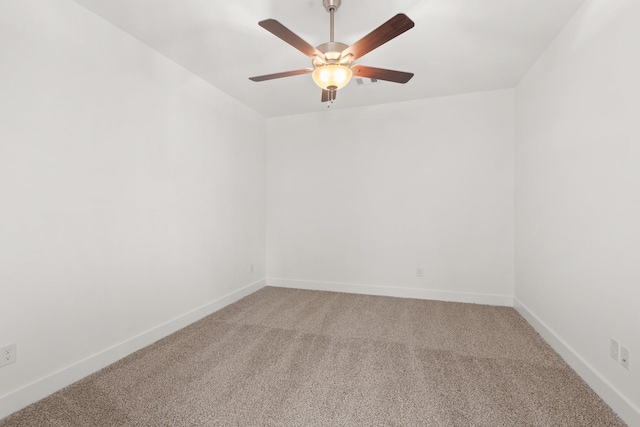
(252,268)
(624,356)
(8,354)
(615,350)
(420,272)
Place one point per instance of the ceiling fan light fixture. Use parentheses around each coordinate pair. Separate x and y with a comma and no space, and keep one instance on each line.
(332,61)
(332,76)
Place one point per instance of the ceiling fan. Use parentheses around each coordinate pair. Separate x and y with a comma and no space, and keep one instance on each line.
(334,62)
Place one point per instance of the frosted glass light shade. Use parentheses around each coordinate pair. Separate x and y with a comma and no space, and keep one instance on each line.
(332,76)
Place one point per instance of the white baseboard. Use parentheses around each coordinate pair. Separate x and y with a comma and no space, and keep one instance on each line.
(616,400)
(389,291)
(39,389)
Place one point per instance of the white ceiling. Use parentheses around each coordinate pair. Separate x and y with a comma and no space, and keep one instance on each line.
(456,46)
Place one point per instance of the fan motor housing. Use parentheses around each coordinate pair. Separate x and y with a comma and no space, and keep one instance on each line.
(332,47)
(332,54)
(332,50)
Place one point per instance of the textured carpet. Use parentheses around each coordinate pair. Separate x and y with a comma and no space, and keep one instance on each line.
(298,358)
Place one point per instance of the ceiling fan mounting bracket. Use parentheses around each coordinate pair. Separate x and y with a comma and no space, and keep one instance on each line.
(331,5)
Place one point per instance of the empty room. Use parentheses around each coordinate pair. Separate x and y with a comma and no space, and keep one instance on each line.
(319,212)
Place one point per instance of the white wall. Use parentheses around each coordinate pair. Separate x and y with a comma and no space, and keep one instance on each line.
(359,198)
(578,196)
(132,196)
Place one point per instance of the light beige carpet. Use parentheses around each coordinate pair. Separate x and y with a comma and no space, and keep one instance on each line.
(284,357)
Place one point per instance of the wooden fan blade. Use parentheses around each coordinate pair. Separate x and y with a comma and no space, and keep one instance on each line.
(385,32)
(280,75)
(279,30)
(328,95)
(381,74)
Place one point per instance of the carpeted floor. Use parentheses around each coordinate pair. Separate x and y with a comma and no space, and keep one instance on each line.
(285,357)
